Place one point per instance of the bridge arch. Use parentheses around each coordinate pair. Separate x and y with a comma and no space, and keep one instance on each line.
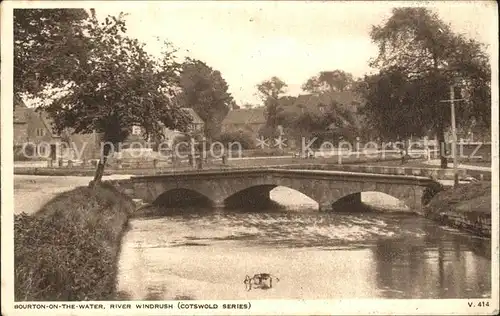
(226,187)
(259,197)
(255,197)
(367,201)
(182,197)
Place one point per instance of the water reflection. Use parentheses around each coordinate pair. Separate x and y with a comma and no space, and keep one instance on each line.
(203,254)
(442,268)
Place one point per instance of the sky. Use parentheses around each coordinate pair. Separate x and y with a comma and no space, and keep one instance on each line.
(249,42)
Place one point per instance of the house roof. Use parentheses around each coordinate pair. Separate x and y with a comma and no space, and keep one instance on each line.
(194,116)
(312,103)
(345,98)
(245,116)
(22,114)
(20,110)
(47,121)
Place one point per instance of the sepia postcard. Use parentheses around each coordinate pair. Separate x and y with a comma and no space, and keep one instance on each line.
(249,158)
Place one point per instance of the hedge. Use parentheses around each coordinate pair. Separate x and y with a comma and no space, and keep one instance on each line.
(69,249)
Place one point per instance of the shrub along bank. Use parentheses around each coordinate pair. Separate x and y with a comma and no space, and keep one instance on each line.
(466,207)
(69,249)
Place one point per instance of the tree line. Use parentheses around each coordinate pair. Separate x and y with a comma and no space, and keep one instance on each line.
(92,77)
(319,115)
(420,59)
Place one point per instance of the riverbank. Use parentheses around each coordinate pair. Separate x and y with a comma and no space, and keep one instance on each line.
(31,192)
(466,207)
(36,255)
(69,249)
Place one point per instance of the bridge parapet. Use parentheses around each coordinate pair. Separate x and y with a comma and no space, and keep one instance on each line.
(429,172)
(434,173)
(210,174)
(324,186)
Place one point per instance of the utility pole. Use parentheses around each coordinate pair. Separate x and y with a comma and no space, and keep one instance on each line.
(454,133)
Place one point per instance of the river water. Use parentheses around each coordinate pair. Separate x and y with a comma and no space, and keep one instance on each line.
(206,254)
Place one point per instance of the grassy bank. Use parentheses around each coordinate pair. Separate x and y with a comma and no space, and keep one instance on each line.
(69,249)
(466,207)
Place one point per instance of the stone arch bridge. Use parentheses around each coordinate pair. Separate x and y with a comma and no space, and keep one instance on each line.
(236,187)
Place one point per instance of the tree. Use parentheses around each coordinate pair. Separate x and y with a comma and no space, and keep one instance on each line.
(270,91)
(323,118)
(333,81)
(48,44)
(432,58)
(119,86)
(244,138)
(204,90)
(388,96)
(329,125)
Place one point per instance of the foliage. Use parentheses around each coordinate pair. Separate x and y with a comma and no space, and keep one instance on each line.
(121,85)
(48,43)
(419,59)
(270,91)
(333,122)
(388,102)
(424,48)
(182,138)
(204,90)
(245,139)
(271,88)
(69,250)
(25,152)
(334,81)
(114,85)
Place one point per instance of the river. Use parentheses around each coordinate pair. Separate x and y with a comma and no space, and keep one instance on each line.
(206,254)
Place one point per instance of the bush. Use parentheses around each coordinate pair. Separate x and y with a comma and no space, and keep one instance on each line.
(27,153)
(246,140)
(69,249)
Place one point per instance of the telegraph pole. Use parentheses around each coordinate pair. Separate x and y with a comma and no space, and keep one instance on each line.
(454,133)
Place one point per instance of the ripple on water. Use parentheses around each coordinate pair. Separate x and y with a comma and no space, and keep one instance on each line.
(384,255)
(285,229)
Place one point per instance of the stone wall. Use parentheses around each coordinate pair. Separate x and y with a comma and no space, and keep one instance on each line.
(433,173)
(323,187)
(476,223)
(466,207)
(20,133)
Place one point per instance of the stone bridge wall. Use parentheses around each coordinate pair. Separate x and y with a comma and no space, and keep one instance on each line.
(325,187)
(434,173)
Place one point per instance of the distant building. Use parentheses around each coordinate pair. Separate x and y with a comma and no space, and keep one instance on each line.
(344,103)
(197,126)
(33,129)
(30,126)
(319,103)
(244,120)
